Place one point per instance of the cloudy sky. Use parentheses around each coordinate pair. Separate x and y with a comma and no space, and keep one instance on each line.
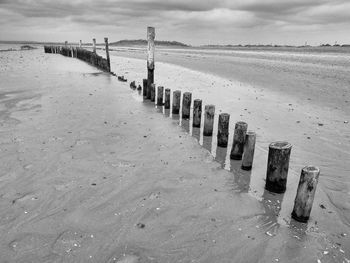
(191,21)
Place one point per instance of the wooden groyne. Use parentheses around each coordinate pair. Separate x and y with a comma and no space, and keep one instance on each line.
(86,55)
(243,140)
(243,145)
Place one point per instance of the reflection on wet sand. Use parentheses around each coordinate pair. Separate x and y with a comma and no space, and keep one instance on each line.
(207,142)
(272,203)
(240,178)
(220,156)
(175,116)
(159,108)
(166,112)
(185,124)
(196,133)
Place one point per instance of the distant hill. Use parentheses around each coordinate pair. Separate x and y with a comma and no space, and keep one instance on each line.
(142,42)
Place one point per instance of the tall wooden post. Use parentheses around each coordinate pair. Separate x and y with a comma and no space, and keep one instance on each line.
(94,45)
(107,54)
(80,44)
(150,56)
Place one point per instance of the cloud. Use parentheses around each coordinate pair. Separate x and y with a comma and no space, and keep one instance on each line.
(193,21)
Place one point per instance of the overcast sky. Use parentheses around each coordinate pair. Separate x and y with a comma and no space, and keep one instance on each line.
(191,21)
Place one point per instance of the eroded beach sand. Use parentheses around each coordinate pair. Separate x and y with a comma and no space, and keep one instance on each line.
(90,173)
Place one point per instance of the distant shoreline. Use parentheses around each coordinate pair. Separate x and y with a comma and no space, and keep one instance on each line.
(166,43)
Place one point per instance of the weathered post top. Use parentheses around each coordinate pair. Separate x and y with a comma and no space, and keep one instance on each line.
(150,49)
(94,45)
(80,44)
(65,43)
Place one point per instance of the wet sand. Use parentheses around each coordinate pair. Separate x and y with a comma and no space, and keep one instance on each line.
(90,173)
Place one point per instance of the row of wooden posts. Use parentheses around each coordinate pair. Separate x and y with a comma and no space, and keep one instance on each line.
(90,57)
(243,145)
(243,141)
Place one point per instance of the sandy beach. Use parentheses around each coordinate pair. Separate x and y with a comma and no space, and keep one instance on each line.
(92,173)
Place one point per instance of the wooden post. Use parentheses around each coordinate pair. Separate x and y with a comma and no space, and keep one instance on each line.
(277,166)
(160,95)
(167,99)
(65,44)
(94,45)
(150,56)
(209,112)
(238,140)
(305,193)
(176,101)
(186,105)
(107,55)
(223,129)
(153,92)
(144,88)
(248,152)
(80,43)
(197,113)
